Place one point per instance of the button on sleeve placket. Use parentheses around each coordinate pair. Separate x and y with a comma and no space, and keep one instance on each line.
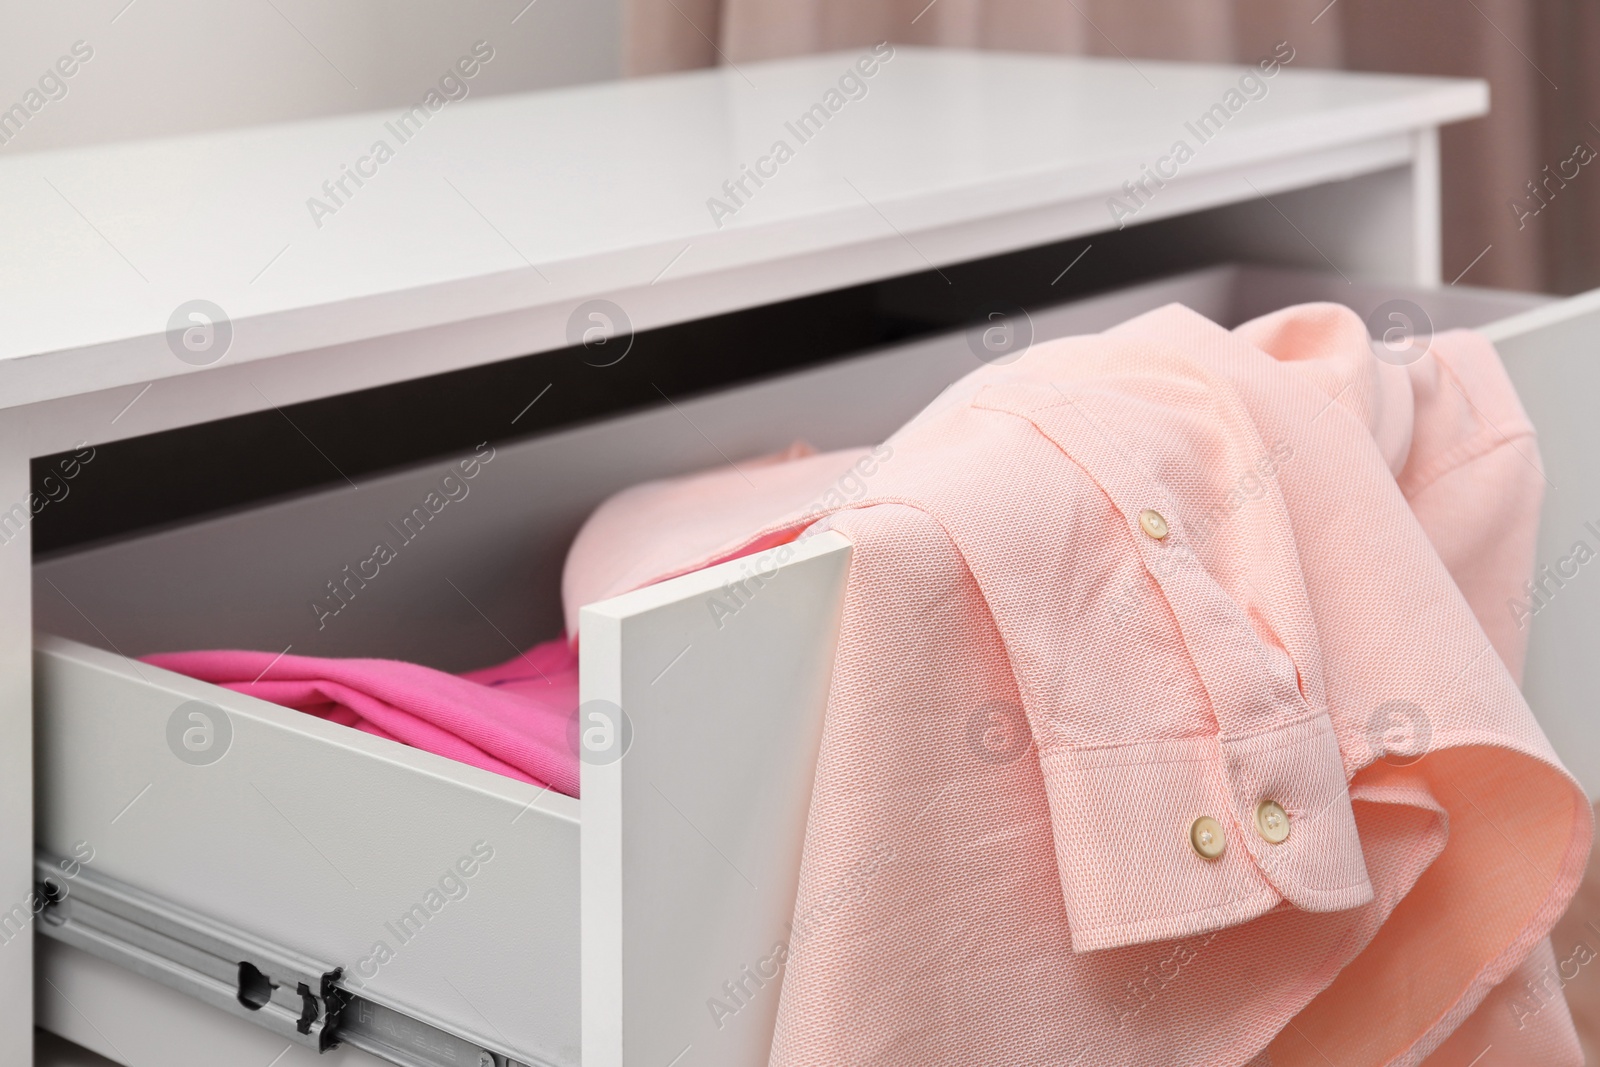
(1287,803)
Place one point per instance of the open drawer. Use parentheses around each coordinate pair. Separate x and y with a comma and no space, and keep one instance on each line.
(475,916)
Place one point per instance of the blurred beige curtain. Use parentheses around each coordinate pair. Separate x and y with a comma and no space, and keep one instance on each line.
(1541,58)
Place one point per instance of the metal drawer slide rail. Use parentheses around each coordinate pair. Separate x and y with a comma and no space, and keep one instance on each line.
(294,996)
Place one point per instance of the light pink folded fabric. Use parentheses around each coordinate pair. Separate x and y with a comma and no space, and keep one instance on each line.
(511,719)
(1034,698)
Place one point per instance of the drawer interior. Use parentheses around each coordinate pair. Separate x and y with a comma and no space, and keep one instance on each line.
(483,579)
(323,836)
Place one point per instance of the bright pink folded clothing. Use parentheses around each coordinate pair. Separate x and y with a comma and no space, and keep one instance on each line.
(511,719)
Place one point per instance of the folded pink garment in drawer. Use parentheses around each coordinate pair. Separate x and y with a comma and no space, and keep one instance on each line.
(511,719)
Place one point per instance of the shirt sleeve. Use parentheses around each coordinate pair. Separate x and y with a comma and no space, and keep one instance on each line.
(1474,480)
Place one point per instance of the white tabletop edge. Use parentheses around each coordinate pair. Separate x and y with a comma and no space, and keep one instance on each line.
(134,346)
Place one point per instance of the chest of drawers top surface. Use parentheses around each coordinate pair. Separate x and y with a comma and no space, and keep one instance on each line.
(808,173)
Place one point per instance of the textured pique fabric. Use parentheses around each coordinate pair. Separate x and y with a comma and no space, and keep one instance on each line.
(1033,699)
(512,718)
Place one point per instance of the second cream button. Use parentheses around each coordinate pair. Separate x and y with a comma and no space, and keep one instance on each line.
(1153,524)
(1272,822)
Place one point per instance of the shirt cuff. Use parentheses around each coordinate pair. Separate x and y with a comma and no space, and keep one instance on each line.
(1122,818)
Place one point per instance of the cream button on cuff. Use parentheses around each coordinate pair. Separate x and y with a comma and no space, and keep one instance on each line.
(1272,822)
(1205,834)
(1153,524)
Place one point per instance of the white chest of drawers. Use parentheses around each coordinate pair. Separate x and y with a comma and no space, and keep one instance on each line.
(479,238)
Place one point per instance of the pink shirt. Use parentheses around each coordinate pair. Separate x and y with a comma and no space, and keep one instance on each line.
(1039,689)
(516,718)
